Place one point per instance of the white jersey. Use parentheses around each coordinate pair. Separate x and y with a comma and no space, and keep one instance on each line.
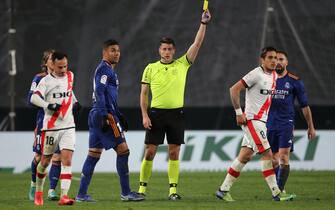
(260,86)
(60,91)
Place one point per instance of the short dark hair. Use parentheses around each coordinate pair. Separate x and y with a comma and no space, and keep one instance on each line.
(283,52)
(45,57)
(109,42)
(267,49)
(58,56)
(167,40)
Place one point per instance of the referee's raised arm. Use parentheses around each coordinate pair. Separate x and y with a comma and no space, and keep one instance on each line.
(192,52)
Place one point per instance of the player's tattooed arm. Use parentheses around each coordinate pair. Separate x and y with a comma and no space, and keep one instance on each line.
(235,91)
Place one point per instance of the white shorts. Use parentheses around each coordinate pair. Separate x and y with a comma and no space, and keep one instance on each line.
(66,139)
(255,136)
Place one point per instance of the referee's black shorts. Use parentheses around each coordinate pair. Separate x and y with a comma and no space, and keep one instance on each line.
(166,121)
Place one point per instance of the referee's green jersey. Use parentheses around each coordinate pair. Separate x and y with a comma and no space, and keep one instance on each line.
(167,82)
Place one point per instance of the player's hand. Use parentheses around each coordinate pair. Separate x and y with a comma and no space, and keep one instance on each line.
(105,124)
(206,16)
(311,133)
(54,107)
(123,122)
(147,122)
(241,119)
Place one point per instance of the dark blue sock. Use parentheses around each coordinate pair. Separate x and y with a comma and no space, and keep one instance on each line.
(123,171)
(276,172)
(54,174)
(86,174)
(33,170)
(283,174)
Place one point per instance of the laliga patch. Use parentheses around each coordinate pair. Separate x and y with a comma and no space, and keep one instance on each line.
(103,79)
(33,86)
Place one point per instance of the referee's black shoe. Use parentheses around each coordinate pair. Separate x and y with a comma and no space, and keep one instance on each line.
(174,197)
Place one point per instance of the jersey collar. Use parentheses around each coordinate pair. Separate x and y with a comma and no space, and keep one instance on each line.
(265,72)
(283,75)
(108,63)
(166,63)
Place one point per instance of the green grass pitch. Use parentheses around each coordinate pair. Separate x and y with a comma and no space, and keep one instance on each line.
(315,191)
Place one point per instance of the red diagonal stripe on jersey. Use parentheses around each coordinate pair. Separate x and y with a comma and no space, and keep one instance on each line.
(255,137)
(269,172)
(51,122)
(64,106)
(263,109)
(266,106)
(65,176)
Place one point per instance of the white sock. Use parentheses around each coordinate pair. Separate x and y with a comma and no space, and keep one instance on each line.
(40,177)
(270,177)
(65,178)
(232,174)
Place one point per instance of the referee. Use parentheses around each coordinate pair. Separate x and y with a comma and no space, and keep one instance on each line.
(166,80)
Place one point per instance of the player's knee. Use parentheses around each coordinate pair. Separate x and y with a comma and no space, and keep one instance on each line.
(45,161)
(275,163)
(150,154)
(67,162)
(94,153)
(174,154)
(37,158)
(245,159)
(267,155)
(56,157)
(284,159)
(123,152)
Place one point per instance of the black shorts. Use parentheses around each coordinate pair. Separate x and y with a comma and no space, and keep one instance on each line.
(166,121)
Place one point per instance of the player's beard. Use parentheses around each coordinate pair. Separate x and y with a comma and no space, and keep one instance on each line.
(279,69)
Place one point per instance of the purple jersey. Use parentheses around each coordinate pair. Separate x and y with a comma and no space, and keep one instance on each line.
(282,111)
(40,112)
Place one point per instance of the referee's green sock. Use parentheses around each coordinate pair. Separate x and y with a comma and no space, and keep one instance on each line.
(173,173)
(145,174)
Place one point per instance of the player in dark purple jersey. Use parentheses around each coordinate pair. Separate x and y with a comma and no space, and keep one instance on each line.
(56,164)
(280,123)
(106,125)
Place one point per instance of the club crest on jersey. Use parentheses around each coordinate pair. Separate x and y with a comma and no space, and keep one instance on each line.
(287,85)
(62,95)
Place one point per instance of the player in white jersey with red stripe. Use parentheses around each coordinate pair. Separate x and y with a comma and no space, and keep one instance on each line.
(259,85)
(54,93)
